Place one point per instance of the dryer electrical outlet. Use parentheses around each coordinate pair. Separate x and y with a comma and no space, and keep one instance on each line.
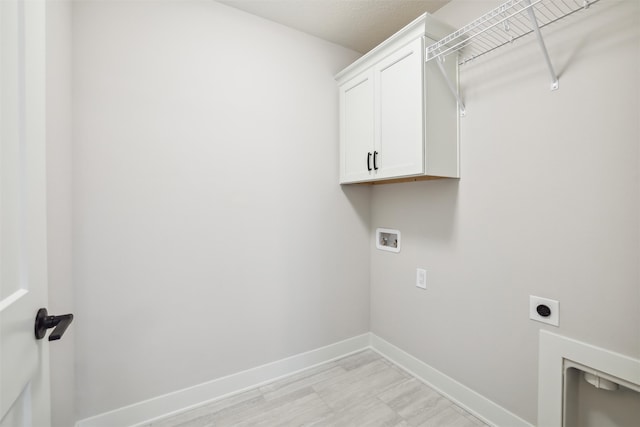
(544,310)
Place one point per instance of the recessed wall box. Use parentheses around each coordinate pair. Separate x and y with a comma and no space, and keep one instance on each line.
(388,239)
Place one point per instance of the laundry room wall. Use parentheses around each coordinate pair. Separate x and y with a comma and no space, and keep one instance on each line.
(547,205)
(210,234)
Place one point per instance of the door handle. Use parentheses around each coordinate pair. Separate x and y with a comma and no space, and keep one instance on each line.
(369,162)
(44,322)
(375,160)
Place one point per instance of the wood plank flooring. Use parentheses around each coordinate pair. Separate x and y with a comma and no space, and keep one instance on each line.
(363,389)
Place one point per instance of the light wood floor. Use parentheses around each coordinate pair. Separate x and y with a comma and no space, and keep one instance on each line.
(363,389)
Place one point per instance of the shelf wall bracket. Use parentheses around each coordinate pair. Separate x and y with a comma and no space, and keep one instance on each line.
(452,88)
(534,24)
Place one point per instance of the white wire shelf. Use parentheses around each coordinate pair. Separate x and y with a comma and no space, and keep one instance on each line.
(503,25)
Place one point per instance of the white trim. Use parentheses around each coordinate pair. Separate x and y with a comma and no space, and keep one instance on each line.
(192,397)
(423,25)
(553,351)
(188,398)
(478,405)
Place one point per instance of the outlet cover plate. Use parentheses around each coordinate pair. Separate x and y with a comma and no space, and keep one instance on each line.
(421,278)
(554,306)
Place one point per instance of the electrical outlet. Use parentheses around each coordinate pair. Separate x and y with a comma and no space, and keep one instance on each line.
(421,278)
(544,310)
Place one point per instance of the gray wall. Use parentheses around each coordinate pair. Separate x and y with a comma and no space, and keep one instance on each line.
(548,205)
(210,234)
(59,206)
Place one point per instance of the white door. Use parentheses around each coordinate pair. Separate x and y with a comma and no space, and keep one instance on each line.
(24,371)
(400,112)
(356,129)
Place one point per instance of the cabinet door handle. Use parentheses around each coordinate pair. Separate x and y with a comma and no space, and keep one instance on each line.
(375,160)
(369,162)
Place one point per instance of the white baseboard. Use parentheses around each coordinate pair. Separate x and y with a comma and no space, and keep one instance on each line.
(178,401)
(192,397)
(478,405)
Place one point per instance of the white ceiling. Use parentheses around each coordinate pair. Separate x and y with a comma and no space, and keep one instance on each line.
(356,24)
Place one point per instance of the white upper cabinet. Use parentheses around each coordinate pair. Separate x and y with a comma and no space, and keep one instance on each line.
(398,135)
(356,126)
(397,118)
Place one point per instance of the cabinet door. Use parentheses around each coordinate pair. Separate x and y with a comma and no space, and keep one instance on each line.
(400,112)
(356,128)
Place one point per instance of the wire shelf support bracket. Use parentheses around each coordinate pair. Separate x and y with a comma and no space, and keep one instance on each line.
(536,29)
(504,25)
